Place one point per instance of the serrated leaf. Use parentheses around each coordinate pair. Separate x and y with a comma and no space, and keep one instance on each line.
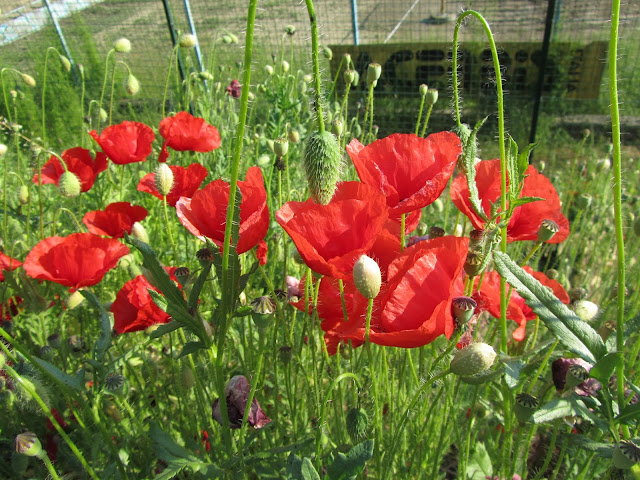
(165,328)
(581,442)
(629,414)
(244,278)
(191,347)
(308,471)
(348,466)
(518,202)
(158,299)
(197,286)
(512,370)
(480,466)
(575,334)
(604,368)
(523,161)
(59,376)
(556,408)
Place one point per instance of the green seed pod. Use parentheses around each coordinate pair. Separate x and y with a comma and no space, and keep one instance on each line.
(373,74)
(227,40)
(463,308)
(164,179)
(69,185)
(576,375)
(626,454)
(473,359)
(122,45)
(290,30)
(357,424)
(285,354)
(280,147)
(337,127)
(322,157)
(547,230)
(349,76)
(367,277)
(114,383)
(436,232)
(132,86)
(525,406)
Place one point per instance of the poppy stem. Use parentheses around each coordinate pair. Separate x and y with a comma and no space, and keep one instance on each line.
(166,220)
(104,84)
(342,301)
(166,81)
(424,96)
(426,121)
(316,64)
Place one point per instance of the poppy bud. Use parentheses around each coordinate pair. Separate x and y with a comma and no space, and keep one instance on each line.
(357,424)
(373,74)
(576,375)
(525,406)
(357,130)
(29,80)
(23,195)
(584,201)
(626,454)
(322,157)
(337,127)
(138,231)
(586,310)
(27,443)
(290,30)
(75,299)
(187,377)
(164,179)
(204,75)
(263,160)
(462,309)
(66,64)
(69,185)
(268,69)
(285,66)
(548,228)
(436,232)
(367,277)
(122,45)
(226,39)
(432,96)
(280,147)
(294,136)
(328,53)
(285,354)
(552,273)
(188,40)
(473,359)
(302,87)
(3,149)
(132,86)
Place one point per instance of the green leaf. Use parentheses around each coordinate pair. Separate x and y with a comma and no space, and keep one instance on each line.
(197,286)
(581,442)
(59,376)
(191,347)
(294,466)
(104,341)
(308,471)
(165,328)
(629,414)
(575,334)
(346,467)
(605,367)
(556,408)
(480,466)
(518,202)
(512,369)
(158,299)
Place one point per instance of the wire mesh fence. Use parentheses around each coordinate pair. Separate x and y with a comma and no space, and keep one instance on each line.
(410,38)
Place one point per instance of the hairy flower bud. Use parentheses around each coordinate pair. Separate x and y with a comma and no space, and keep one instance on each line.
(122,45)
(322,157)
(29,80)
(473,359)
(188,40)
(3,149)
(423,89)
(138,231)
(187,377)
(66,64)
(367,277)
(164,179)
(285,66)
(373,74)
(585,309)
(432,96)
(69,185)
(131,85)
(357,424)
(294,136)
(27,443)
(23,195)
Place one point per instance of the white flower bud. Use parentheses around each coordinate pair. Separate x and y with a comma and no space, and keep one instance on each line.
(473,359)
(164,179)
(367,277)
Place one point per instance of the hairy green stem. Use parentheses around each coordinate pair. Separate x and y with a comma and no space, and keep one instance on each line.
(316,63)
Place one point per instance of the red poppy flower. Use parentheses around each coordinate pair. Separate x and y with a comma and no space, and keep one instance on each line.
(488,299)
(205,213)
(186,132)
(7,263)
(134,309)
(127,142)
(234,89)
(114,220)
(330,238)
(414,306)
(10,308)
(411,171)
(76,261)
(527,218)
(78,160)
(185,182)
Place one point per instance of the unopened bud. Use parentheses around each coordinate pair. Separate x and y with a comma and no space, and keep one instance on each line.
(227,40)
(285,66)
(357,424)
(29,80)
(138,231)
(423,89)
(188,40)
(548,228)
(327,52)
(205,75)
(462,309)
(164,179)
(75,299)
(473,359)
(23,195)
(373,74)
(280,147)
(187,377)
(367,277)
(586,310)
(27,443)
(432,96)
(132,86)
(294,136)
(103,115)
(290,30)
(69,185)
(322,157)
(122,45)
(3,149)
(268,69)
(66,64)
